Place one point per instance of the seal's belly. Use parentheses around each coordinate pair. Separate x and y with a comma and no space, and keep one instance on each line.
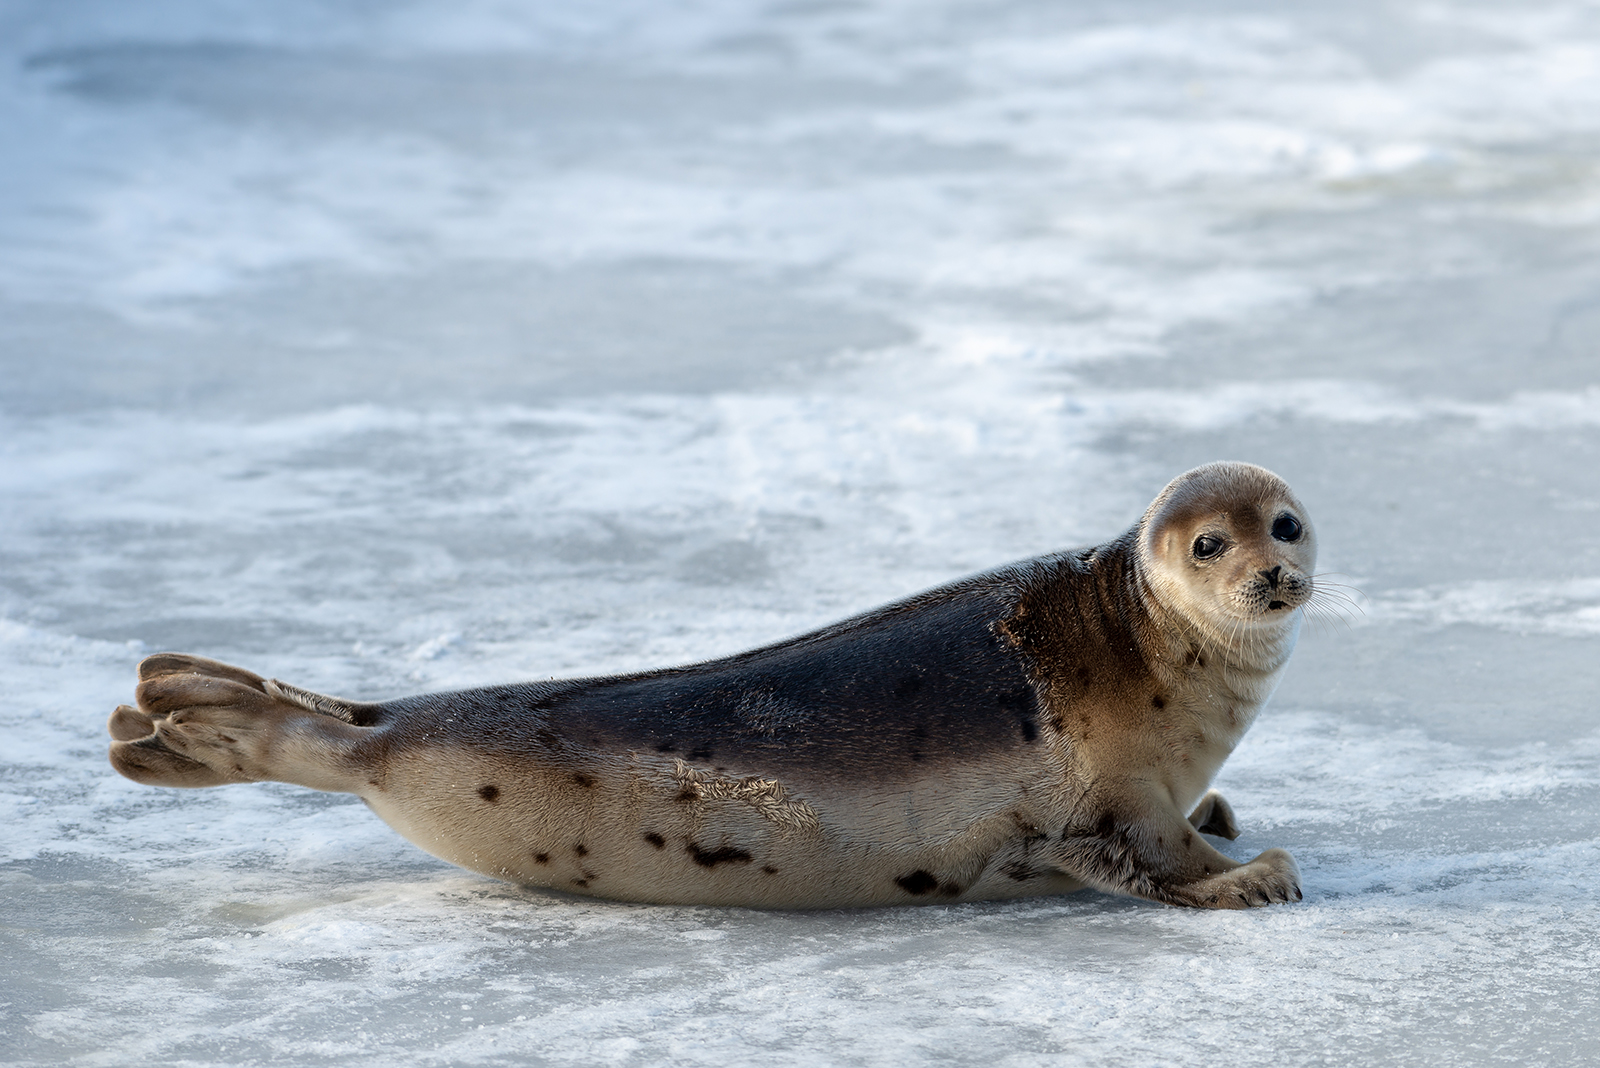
(642,827)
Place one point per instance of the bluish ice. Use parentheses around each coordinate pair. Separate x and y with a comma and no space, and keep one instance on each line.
(418,345)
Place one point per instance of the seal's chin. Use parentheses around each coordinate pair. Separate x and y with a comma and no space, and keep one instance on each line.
(1264,619)
(1264,611)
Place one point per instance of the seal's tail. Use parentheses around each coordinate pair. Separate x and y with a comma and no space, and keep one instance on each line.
(201,722)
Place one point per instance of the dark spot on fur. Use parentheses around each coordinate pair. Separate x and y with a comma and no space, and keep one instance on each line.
(710,858)
(1157,702)
(1199,660)
(1107,825)
(541,858)
(1019,872)
(1212,900)
(907,687)
(1188,839)
(580,882)
(583,780)
(655,839)
(769,870)
(917,883)
(688,793)
(667,746)
(916,756)
(580,849)
(700,754)
(490,794)
(1084,678)
(950,890)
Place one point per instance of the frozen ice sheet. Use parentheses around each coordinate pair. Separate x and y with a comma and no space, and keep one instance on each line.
(429,345)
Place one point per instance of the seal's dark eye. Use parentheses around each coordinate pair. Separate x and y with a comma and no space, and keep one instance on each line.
(1206,546)
(1286,528)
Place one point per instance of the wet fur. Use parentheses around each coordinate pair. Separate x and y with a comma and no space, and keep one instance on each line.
(1034,729)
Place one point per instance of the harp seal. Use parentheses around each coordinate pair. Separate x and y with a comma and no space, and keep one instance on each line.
(1042,727)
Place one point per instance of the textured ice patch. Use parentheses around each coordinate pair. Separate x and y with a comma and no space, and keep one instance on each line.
(1313,767)
(1166,105)
(1341,401)
(1570,608)
(352,527)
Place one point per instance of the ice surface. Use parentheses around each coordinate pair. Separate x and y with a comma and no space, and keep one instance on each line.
(394,347)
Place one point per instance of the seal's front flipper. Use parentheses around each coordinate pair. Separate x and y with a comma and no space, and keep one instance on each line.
(204,723)
(1270,878)
(1155,853)
(1213,815)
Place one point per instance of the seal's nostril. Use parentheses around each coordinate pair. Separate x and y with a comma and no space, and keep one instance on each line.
(1272,576)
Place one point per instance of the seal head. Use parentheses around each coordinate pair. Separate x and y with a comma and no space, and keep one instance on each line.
(1229,548)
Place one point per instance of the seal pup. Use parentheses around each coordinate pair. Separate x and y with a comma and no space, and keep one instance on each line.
(1042,727)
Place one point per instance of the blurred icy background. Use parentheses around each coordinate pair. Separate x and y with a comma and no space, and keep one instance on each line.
(397,346)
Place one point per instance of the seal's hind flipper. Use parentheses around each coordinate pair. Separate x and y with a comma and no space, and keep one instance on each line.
(160,664)
(150,761)
(204,723)
(356,713)
(129,724)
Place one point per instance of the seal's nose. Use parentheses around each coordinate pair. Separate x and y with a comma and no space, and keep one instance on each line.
(1272,576)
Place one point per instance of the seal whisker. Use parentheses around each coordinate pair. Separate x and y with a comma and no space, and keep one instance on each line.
(1326,598)
(1321,617)
(1321,584)
(1335,605)
(1241,640)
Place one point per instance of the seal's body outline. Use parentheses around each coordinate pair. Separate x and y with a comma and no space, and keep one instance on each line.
(1034,729)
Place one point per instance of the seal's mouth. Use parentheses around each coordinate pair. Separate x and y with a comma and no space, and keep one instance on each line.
(1262,604)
